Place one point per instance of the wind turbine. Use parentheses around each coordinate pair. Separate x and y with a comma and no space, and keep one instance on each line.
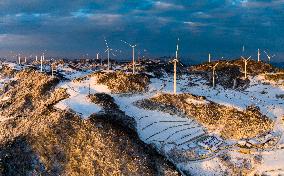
(268,56)
(175,69)
(41,60)
(213,74)
(209,57)
(133,55)
(258,55)
(246,63)
(19,59)
(53,69)
(52,75)
(98,56)
(108,51)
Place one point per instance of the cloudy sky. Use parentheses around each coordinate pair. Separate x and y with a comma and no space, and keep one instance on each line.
(76,27)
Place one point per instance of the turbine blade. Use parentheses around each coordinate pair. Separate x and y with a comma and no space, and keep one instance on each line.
(113,54)
(266,54)
(126,43)
(106,43)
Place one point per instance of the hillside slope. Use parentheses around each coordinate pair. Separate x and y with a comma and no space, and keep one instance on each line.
(37,139)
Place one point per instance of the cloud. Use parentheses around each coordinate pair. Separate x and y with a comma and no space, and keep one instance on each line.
(104,19)
(200,14)
(70,27)
(194,24)
(167,6)
(259,3)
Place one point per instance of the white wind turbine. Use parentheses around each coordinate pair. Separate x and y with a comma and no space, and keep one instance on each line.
(133,55)
(108,51)
(53,69)
(52,75)
(98,58)
(246,63)
(41,62)
(19,59)
(269,56)
(175,69)
(213,74)
(258,55)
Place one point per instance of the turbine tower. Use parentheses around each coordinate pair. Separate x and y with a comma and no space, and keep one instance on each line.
(41,60)
(133,55)
(258,55)
(213,74)
(98,56)
(52,75)
(175,69)
(246,63)
(108,51)
(19,59)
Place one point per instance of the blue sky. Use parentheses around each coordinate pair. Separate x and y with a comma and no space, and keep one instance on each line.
(75,27)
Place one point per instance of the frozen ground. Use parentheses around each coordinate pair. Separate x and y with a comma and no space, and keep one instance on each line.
(78,100)
(179,138)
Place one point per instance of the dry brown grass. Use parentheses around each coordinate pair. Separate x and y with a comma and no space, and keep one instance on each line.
(6,71)
(275,77)
(63,143)
(253,67)
(230,122)
(120,82)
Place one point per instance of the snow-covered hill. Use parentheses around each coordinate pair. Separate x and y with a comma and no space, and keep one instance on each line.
(184,141)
